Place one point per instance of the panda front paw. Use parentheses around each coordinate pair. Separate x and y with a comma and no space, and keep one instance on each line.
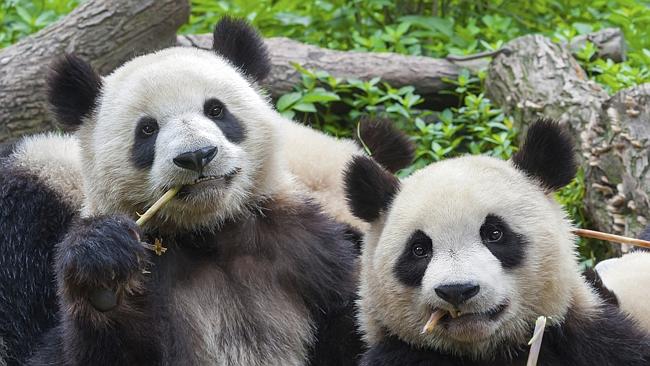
(101,260)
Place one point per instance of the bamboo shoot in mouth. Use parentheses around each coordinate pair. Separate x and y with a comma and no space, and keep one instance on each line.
(433,321)
(157,246)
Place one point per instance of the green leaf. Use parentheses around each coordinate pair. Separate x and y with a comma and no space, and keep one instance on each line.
(287,100)
(305,107)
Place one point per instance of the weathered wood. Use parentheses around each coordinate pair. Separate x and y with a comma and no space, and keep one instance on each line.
(424,73)
(618,169)
(105,33)
(540,78)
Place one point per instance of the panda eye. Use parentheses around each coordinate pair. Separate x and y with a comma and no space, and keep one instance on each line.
(421,245)
(419,251)
(147,127)
(148,130)
(491,233)
(214,109)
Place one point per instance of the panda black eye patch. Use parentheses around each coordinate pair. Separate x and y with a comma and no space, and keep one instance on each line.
(506,245)
(414,260)
(144,144)
(230,126)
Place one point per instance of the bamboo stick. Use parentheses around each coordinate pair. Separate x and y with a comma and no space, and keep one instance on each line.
(611,237)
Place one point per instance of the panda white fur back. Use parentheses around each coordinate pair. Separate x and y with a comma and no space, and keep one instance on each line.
(254,273)
(628,277)
(481,239)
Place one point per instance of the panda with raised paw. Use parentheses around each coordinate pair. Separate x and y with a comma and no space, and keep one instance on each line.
(463,256)
(254,272)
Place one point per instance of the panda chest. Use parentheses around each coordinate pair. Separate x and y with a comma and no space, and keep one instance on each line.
(238,313)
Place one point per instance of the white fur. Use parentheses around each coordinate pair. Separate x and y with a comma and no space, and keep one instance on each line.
(318,161)
(54,159)
(449,201)
(629,278)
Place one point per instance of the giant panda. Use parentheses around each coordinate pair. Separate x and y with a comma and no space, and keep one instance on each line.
(254,273)
(480,244)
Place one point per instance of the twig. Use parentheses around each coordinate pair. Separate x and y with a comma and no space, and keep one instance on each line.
(611,237)
(158,205)
(157,246)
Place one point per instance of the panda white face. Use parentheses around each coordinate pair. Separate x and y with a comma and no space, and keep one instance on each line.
(183,117)
(473,241)
(178,117)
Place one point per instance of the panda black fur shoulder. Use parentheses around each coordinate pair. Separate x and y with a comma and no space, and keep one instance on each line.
(254,273)
(483,240)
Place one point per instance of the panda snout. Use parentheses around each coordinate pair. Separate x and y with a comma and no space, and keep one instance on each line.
(457,293)
(196,160)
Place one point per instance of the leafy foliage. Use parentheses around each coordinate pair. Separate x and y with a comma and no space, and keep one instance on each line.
(20,18)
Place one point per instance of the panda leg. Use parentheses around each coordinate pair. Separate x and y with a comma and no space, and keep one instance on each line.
(106,313)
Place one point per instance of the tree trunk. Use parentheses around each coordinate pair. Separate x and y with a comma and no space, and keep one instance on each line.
(618,169)
(105,33)
(540,78)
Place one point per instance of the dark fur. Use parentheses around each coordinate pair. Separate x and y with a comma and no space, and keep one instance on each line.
(240,43)
(73,88)
(229,125)
(389,146)
(143,151)
(369,188)
(547,155)
(410,268)
(593,278)
(290,244)
(6,148)
(32,219)
(511,249)
(608,340)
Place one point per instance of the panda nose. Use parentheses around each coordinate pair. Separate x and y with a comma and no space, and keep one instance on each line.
(196,160)
(457,293)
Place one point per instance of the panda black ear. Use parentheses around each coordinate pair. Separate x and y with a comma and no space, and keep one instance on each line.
(389,146)
(547,155)
(242,45)
(369,188)
(72,90)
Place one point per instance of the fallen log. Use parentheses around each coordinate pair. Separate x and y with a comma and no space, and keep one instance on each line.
(105,33)
(426,74)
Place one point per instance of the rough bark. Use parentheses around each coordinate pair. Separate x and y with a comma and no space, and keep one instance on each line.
(609,42)
(105,33)
(618,168)
(540,78)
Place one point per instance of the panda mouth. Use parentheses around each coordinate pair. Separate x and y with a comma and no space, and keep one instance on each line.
(445,317)
(206,182)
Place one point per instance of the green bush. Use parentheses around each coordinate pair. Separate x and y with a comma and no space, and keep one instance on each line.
(19,18)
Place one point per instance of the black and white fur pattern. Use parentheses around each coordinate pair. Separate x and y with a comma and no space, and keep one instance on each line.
(40,193)
(628,278)
(491,230)
(254,274)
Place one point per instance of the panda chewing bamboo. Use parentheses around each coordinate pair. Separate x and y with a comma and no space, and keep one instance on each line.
(463,256)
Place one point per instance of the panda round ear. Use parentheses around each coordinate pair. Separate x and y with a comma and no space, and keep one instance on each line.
(369,188)
(72,90)
(242,45)
(389,146)
(547,155)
